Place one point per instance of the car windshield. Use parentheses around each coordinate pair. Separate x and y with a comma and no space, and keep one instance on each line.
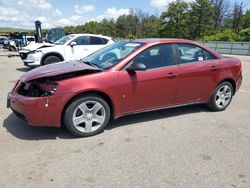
(63,40)
(112,54)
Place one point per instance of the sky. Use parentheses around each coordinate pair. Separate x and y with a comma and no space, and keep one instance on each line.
(60,13)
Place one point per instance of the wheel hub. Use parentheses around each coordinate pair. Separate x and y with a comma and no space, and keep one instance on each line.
(89,116)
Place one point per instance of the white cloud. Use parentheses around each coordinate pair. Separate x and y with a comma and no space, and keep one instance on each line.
(26,12)
(10,17)
(115,13)
(112,13)
(84,9)
(58,12)
(159,3)
(73,20)
(35,4)
(162,4)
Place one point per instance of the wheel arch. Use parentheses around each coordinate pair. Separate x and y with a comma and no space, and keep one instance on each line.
(231,81)
(101,94)
(57,54)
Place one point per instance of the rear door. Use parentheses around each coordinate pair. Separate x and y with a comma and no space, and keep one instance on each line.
(153,88)
(97,43)
(197,74)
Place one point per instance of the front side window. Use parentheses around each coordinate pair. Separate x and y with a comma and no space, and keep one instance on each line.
(63,40)
(83,40)
(191,53)
(156,56)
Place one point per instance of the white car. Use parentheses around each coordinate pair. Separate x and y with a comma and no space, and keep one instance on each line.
(70,47)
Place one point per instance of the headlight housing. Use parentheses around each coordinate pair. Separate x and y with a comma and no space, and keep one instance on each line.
(37,88)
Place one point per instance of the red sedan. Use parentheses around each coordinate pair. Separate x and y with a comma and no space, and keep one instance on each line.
(124,78)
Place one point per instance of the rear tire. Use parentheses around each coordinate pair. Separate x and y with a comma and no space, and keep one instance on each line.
(221,97)
(87,116)
(51,59)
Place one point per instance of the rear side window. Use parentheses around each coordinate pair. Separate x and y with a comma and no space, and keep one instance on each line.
(98,41)
(189,53)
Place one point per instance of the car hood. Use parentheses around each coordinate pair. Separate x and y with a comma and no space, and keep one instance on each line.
(58,69)
(36,46)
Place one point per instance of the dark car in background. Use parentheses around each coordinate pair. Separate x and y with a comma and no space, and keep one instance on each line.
(2,39)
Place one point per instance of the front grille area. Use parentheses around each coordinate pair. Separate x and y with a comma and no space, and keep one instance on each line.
(23,55)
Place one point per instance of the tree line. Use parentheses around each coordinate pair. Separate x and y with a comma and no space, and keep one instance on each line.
(198,20)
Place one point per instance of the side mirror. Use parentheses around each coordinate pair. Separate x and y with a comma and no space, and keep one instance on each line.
(72,44)
(136,67)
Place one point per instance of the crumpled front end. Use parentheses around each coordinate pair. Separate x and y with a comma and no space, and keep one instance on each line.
(31,58)
(39,96)
(36,103)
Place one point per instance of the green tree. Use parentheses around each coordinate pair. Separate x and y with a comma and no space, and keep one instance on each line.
(220,9)
(121,27)
(107,27)
(237,16)
(246,20)
(153,27)
(200,18)
(175,19)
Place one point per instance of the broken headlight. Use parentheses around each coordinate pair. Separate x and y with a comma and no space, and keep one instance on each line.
(38,88)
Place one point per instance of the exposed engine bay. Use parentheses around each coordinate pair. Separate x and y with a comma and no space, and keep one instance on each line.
(37,88)
(46,86)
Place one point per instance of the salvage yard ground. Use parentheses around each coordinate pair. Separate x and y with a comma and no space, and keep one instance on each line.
(180,147)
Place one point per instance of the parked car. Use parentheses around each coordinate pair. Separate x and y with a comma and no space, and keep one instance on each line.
(2,39)
(125,78)
(6,43)
(70,47)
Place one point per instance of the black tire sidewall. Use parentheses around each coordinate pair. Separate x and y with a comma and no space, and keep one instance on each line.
(12,49)
(212,102)
(67,117)
(47,60)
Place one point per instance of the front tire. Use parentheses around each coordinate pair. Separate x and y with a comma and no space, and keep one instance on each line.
(12,48)
(51,59)
(87,116)
(221,97)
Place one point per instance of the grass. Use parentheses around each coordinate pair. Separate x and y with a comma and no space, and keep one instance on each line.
(8,30)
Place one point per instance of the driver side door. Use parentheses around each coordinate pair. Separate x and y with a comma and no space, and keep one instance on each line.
(151,89)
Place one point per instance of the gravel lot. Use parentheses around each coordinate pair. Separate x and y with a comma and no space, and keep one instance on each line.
(181,147)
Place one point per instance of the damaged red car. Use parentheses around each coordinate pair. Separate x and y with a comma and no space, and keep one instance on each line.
(124,78)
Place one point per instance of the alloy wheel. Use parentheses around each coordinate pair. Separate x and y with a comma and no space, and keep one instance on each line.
(223,96)
(89,116)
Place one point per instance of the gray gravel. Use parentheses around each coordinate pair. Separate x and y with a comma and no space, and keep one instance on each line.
(180,147)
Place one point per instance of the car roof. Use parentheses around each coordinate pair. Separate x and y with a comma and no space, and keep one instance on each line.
(89,34)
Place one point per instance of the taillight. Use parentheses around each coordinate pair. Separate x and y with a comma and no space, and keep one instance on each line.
(239,65)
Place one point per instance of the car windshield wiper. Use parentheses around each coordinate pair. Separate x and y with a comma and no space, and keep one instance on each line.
(91,64)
